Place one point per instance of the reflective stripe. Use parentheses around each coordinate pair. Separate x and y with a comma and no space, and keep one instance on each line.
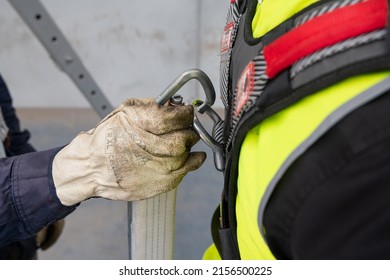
(3,134)
(273,145)
(3,127)
(345,109)
(2,150)
(316,57)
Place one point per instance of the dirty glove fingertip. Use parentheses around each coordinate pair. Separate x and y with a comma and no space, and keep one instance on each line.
(194,161)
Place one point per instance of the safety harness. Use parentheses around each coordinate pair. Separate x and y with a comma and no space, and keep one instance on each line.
(323,44)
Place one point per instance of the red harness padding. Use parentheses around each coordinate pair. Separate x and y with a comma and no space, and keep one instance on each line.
(324,31)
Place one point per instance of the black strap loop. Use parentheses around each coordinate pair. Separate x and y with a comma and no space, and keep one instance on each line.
(223,239)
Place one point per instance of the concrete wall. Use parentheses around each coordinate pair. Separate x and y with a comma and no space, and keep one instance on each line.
(131,48)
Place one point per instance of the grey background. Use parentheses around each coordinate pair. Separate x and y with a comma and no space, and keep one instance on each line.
(131,48)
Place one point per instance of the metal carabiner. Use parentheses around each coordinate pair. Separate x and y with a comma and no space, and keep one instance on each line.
(215,142)
(202,107)
(182,80)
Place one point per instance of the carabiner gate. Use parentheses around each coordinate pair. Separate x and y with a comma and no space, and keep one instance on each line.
(215,142)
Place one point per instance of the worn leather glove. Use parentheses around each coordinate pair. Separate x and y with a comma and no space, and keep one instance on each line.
(138,151)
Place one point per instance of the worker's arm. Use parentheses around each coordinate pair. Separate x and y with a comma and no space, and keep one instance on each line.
(28,200)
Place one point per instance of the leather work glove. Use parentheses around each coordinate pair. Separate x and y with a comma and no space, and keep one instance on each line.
(138,151)
(47,236)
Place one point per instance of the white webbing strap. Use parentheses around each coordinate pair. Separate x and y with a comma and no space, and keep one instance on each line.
(3,134)
(151,227)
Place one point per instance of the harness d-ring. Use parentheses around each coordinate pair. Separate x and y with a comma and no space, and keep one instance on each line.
(202,107)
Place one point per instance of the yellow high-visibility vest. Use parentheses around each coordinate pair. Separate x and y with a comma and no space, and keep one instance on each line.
(272,144)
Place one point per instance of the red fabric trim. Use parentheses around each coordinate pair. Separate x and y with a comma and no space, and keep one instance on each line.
(245,87)
(324,31)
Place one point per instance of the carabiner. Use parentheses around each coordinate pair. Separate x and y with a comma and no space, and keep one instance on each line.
(215,142)
(202,107)
(182,80)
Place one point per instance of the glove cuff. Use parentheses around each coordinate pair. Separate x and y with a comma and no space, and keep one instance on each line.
(72,174)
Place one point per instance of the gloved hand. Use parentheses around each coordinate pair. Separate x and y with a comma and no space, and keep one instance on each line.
(138,151)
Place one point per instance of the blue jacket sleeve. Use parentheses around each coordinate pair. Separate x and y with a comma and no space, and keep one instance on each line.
(28,199)
(18,140)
